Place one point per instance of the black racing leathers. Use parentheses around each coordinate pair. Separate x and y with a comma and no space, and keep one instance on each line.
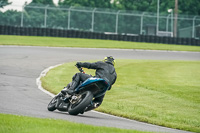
(104,70)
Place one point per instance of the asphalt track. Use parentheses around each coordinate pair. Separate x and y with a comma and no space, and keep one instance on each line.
(21,66)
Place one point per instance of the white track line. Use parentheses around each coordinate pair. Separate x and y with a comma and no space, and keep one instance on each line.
(43,74)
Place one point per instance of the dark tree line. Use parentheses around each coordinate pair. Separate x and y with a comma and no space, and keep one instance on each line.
(4,3)
(187,7)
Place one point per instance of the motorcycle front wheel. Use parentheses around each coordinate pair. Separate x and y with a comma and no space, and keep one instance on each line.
(81,104)
(52,105)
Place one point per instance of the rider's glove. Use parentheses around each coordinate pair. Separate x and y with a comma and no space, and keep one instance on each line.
(78,64)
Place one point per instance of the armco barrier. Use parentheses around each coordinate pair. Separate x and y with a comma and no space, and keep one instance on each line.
(30,31)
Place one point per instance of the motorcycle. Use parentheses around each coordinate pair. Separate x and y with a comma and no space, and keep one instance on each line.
(82,98)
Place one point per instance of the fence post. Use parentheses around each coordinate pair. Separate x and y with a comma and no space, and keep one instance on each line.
(45,16)
(93,19)
(117,19)
(141,25)
(68,27)
(167,26)
(158,13)
(193,26)
(22,16)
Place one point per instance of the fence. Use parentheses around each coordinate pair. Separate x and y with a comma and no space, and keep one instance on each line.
(101,20)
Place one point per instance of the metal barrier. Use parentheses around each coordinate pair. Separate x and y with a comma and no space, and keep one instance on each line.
(29,31)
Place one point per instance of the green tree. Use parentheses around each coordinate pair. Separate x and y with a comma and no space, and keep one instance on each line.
(188,7)
(4,3)
(10,17)
(87,3)
(42,2)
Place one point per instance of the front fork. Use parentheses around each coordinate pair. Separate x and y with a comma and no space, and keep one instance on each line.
(62,102)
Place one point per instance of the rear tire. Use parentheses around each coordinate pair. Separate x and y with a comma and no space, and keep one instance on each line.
(52,105)
(86,98)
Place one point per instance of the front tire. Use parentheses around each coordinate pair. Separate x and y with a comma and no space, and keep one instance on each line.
(52,105)
(76,108)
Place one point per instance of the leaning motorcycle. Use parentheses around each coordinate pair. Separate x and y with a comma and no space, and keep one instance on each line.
(82,98)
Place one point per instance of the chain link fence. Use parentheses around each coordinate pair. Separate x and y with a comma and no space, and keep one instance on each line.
(102,20)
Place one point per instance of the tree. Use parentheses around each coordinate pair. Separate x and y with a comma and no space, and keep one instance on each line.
(42,2)
(187,7)
(190,7)
(87,3)
(4,3)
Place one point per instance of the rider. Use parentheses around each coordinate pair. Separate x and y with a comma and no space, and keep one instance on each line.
(104,69)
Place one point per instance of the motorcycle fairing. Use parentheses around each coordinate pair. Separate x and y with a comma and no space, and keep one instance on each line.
(97,86)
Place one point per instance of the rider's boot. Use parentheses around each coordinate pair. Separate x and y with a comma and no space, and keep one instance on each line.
(64,90)
(72,87)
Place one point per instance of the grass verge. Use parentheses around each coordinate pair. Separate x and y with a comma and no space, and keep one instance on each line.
(159,92)
(88,43)
(23,124)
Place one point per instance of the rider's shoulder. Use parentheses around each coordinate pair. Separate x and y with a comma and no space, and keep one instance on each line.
(100,62)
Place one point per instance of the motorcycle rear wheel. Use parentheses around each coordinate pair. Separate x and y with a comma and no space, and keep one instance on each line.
(76,108)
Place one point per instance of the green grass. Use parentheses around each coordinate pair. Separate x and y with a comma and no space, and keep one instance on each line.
(91,43)
(159,92)
(22,124)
